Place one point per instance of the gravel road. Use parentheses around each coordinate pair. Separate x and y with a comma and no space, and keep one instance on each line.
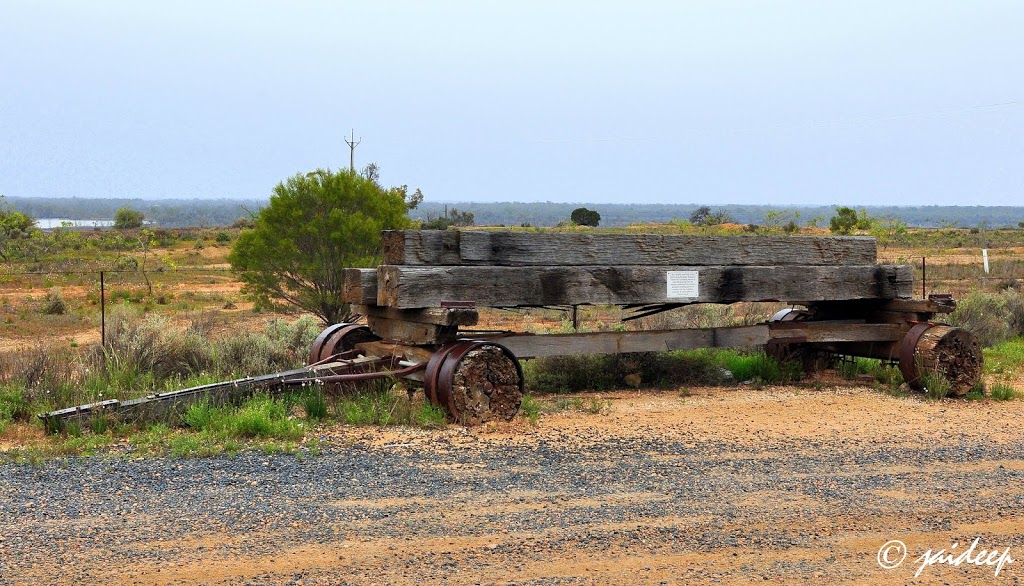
(723,486)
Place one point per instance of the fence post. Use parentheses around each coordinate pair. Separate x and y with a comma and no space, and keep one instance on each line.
(103,312)
(924,280)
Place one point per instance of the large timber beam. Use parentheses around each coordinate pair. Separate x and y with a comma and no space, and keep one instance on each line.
(411,287)
(458,247)
(534,346)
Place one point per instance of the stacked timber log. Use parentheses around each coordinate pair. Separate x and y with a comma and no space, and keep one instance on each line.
(432,269)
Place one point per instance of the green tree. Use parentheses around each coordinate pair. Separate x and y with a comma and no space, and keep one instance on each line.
(585,217)
(844,221)
(316,225)
(127,218)
(16,229)
(888,230)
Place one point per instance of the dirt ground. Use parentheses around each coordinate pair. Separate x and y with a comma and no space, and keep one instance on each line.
(724,485)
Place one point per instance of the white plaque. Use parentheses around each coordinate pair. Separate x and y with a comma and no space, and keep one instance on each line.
(682,285)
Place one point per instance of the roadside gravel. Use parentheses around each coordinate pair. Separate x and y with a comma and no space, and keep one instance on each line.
(727,486)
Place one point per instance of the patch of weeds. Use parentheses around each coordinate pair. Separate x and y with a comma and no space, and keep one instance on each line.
(153,441)
(274,448)
(313,447)
(759,368)
(315,405)
(888,375)
(194,445)
(368,408)
(530,408)
(80,445)
(427,415)
(569,404)
(935,384)
(598,406)
(264,417)
(1005,357)
(1003,392)
(849,369)
(260,416)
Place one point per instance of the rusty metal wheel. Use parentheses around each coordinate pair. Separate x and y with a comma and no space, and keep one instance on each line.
(475,381)
(339,338)
(952,353)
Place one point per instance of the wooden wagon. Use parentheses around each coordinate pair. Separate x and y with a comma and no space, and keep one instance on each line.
(422,302)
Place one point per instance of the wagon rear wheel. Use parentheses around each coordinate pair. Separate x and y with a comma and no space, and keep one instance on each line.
(339,338)
(475,381)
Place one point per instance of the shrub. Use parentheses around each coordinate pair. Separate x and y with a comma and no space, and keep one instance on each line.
(296,336)
(54,303)
(992,317)
(223,238)
(150,345)
(250,354)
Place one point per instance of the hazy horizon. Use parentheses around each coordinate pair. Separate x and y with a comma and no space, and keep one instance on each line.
(776,103)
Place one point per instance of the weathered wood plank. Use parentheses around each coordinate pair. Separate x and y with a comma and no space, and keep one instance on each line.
(421,247)
(535,346)
(396,348)
(441,316)
(411,287)
(453,247)
(359,286)
(411,332)
(831,332)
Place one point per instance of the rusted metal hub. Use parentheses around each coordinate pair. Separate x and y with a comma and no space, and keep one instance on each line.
(475,381)
(908,351)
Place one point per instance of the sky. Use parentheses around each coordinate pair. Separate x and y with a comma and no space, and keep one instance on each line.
(710,102)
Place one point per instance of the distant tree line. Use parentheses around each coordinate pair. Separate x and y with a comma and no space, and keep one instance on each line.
(166,213)
(179,213)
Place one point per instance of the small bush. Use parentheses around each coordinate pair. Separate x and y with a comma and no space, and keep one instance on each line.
(296,336)
(223,238)
(250,354)
(54,303)
(150,346)
(126,263)
(992,317)
(14,405)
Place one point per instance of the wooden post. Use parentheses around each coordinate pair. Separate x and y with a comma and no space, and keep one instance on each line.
(103,313)
(924,279)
